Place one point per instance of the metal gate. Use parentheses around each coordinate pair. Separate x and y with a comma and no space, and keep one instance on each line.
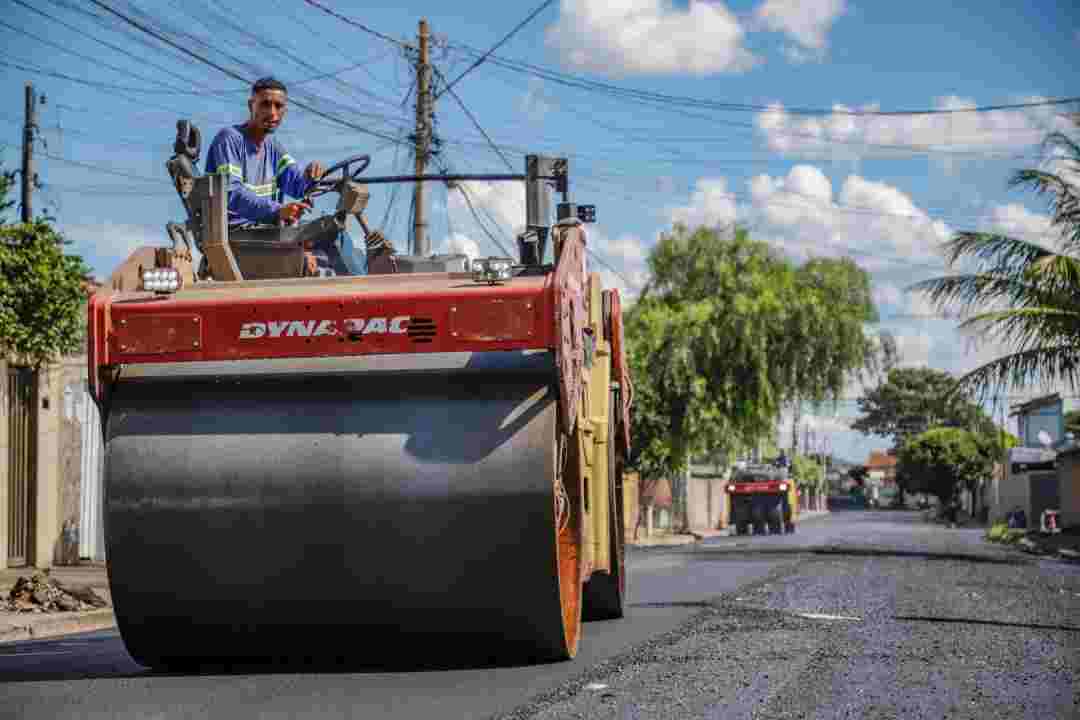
(92,499)
(1044,495)
(22,463)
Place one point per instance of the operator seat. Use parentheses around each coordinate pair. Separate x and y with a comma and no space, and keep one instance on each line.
(262,252)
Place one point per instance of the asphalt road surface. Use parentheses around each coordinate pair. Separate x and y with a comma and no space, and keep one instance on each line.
(858,615)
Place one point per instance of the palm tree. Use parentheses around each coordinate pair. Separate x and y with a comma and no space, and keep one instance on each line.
(1019,293)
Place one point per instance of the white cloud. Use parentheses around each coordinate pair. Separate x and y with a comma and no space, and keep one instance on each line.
(806,22)
(627,254)
(1063,166)
(844,134)
(877,223)
(459,243)
(913,349)
(1015,219)
(711,204)
(649,37)
(887,294)
(535,101)
(501,207)
(798,55)
(830,433)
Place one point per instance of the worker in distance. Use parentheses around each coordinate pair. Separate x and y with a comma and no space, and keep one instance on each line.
(260,173)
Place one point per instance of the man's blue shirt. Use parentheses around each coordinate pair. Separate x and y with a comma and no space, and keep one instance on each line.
(256,174)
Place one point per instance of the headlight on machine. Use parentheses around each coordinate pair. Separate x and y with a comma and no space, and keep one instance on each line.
(731,488)
(783,487)
(161,280)
(492,270)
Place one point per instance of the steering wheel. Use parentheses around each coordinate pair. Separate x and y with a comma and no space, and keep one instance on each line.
(324,184)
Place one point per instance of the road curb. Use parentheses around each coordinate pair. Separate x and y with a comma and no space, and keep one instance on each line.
(103,619)
(697,536)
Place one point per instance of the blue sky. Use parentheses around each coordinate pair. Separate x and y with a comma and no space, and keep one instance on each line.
(884,189)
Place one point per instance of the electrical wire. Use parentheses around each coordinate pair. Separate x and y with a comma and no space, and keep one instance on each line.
(475,122)
(116,48)
(727,106)
(468,201)
(543,6)
(237,76)
(356,24)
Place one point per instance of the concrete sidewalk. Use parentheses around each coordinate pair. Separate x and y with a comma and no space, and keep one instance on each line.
(699,535)
(33,625)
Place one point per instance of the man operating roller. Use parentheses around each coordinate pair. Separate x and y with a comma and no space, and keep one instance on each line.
(260,174)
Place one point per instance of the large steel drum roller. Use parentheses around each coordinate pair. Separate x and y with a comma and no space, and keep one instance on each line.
(341,507)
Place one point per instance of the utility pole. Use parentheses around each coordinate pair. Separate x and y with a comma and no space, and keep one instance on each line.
(29,130)
(421,242)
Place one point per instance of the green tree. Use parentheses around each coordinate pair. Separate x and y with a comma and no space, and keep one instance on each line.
(912,400)
(1072,422)
(42,294)
(1020,293)
(943,460)
(712,348)
(826,340)
(809,474)
(7,184)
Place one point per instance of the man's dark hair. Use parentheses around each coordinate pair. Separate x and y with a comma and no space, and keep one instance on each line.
(268,83)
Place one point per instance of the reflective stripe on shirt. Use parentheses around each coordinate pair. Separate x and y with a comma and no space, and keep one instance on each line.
(285,161)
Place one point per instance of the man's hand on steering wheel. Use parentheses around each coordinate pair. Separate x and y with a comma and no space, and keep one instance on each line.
(291,213)
(350,169)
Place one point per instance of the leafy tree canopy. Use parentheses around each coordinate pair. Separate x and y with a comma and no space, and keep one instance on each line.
(942,460)
(808,473)
(726,332)
(7,185)
(912,400)
(1072,422)
(41,294)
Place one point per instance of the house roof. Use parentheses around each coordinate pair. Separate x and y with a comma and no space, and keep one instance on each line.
(1035,404)
(880,460)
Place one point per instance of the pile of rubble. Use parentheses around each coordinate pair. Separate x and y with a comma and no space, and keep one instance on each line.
(41,593)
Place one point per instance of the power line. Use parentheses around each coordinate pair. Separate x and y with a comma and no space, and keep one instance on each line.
(237,76)
(99,169)
(82,32)
(475,122)
(62,76)
(543,6)
(299,19)
(688,101)
(468,201)
(357,24)
(208,12)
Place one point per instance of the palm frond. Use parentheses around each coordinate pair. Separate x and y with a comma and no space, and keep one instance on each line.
(993,251)
(1064,201)
(1035,366)
(1058,140)
(974,291)
(1056,273)
(1024,328)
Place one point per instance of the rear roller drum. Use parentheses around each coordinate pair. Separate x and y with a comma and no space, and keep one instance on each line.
(605,592)
(377,519)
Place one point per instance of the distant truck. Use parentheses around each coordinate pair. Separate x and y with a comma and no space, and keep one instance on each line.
(762,498)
